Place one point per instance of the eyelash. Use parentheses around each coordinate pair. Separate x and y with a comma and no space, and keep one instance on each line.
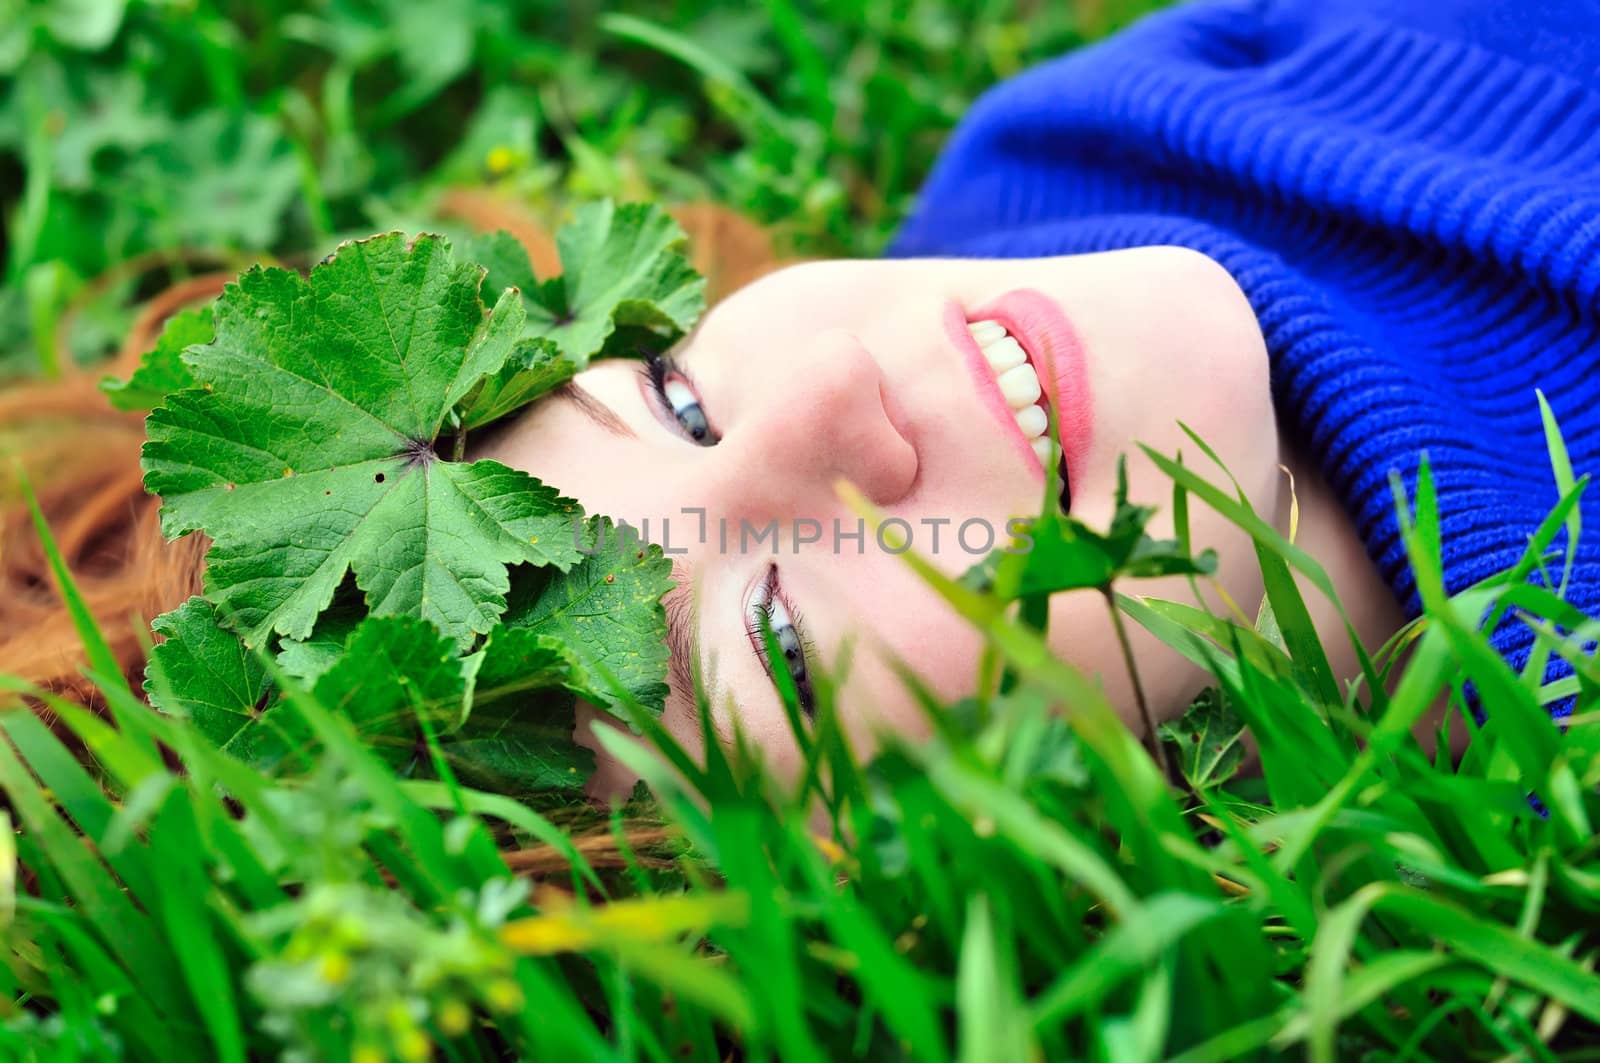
(760,615)
(658,369)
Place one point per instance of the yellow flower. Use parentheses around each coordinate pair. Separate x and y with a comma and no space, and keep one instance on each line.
(500,160)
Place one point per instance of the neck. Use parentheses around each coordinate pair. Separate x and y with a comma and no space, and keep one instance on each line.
(1327,534)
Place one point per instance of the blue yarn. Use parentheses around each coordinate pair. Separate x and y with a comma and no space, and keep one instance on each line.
(1408,191)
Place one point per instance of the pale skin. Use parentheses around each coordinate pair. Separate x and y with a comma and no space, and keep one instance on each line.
(849,370)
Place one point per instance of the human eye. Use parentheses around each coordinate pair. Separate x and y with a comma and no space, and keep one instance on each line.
(770,610)
(677,399)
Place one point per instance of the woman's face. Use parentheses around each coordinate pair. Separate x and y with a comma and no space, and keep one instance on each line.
(880,373)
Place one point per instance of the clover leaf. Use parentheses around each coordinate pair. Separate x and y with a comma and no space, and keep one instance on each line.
(308,448)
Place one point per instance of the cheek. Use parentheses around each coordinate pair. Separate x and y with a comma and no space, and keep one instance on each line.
(1195,355)
(1237,403)
(922,633)
(1176,340)
(1226,390)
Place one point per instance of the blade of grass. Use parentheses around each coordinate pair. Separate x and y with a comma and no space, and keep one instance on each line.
(1495,948)
(78,795)
(101,660)
(1136,942)
(696,57)
(191,929)
(1275,555)
(1561,466)
(992,1020)
(94,893)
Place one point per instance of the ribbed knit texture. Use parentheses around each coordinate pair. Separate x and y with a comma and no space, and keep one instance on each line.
(1407,190)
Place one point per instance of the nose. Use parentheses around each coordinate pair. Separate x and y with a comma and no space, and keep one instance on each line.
(824,414)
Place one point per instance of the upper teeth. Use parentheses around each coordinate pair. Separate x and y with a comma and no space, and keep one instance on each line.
(1019,384)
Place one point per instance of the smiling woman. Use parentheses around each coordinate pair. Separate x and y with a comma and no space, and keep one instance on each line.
(929,385)
(1327,237)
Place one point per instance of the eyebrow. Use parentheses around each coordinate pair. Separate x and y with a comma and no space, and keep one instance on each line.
(683,645)
(598,412)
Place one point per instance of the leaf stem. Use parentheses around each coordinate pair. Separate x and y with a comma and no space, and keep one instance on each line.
(1157,749)
(458,449)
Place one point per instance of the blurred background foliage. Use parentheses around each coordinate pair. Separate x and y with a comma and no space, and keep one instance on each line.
(143,140)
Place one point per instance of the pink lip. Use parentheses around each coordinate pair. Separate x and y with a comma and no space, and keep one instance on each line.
(955,326)
(1056,354)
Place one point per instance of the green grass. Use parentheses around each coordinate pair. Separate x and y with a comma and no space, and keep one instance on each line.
(1026,885)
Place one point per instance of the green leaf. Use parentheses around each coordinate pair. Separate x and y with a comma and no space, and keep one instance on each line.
(621,266)
(1207,738)
(86,25)
(161,371)
(519,734)
(432,41)
(204,672)
(505,259)
(534,368)
(392,669)
(105,113)
(525,754)
(518,660)
(517,737)
(1064,554)
(308,448)
(307,659)
(624,269)
(534,365)
(502,135)
(607,611)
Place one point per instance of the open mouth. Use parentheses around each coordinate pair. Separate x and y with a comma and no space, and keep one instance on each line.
(1017,380)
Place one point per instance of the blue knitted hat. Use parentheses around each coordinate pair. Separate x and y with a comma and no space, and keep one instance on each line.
(1408,191)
